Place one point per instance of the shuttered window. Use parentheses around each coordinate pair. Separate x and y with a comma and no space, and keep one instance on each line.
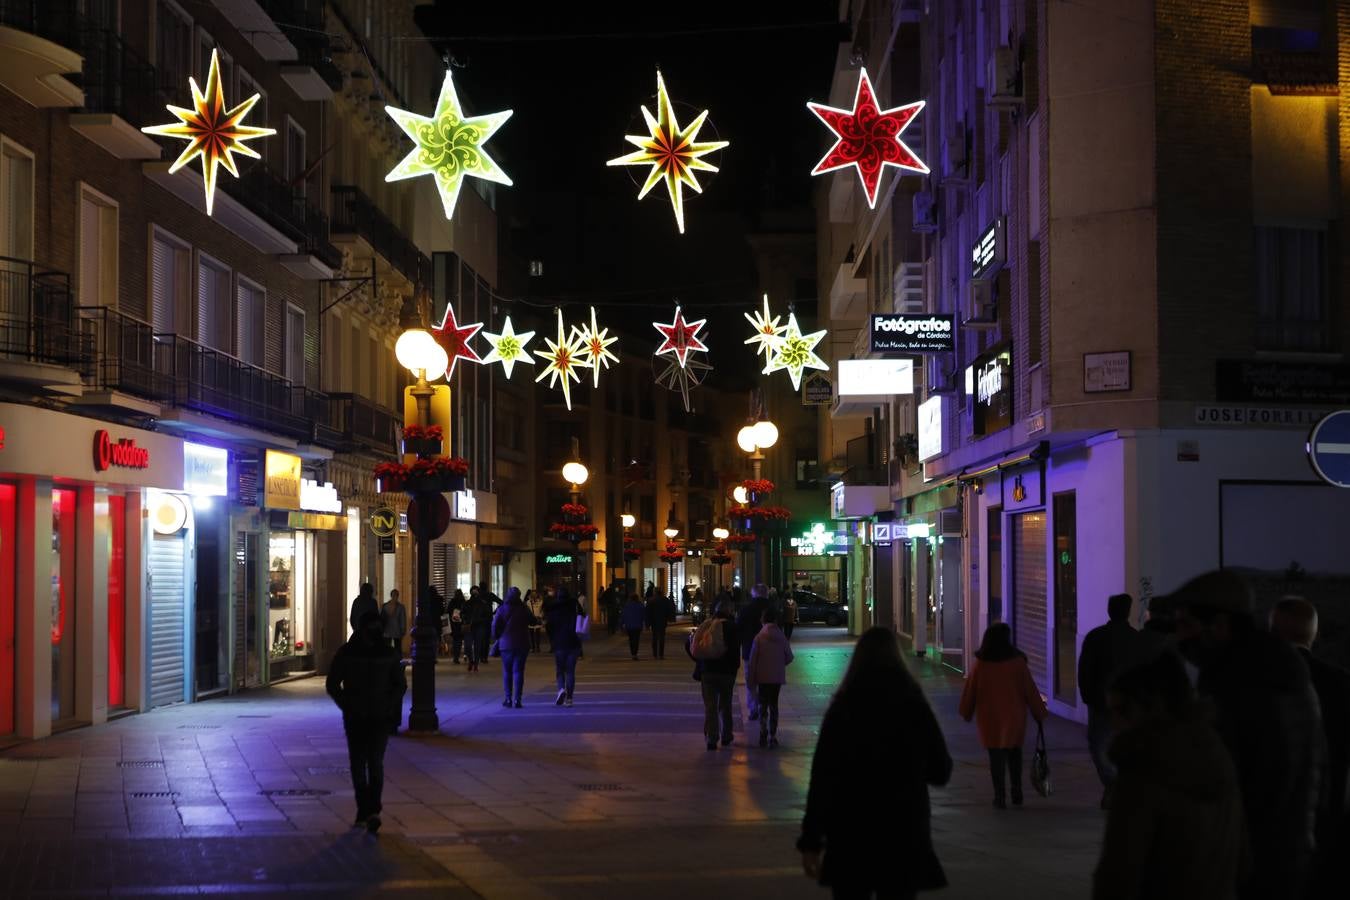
(250,309)
(1029,590)
(16,203)
(98,252)
(213,304)
(169,286)
(295,345)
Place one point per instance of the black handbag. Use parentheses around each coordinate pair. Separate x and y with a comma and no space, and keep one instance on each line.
(1040,765)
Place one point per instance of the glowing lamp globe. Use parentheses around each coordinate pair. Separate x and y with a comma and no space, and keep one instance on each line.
(745,438)
(671,532)
(414,349)
(766,434)
(437,361)
(740,495)
(575,473)
(628,519)
(721,534)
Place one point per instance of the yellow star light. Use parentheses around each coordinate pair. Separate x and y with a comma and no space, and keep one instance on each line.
(796,352)
(508,348)
(564,357)
(768,332)
(595,343)
(449,146)
(212,132)
(674,153)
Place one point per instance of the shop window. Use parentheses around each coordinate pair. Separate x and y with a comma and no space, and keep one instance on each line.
(63,604)
(289,582)
(1292,289)
(1066,597)
(7,558)
(117,604)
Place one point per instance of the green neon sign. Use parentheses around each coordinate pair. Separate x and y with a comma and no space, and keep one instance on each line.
(558,559)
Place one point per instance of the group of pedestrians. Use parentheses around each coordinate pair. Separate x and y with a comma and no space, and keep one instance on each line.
(655,612)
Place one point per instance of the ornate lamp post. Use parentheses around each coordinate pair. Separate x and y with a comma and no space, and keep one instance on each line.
(628,520)
(720,557)
(576,474)
(754,439)
(671,556)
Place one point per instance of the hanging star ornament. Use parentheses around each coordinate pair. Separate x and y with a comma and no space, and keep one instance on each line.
(768,332)
(212,132)
(449,145)
(564,357)
(674,153)
(868,138)
(681,337)
(455,339)
(508,347)
(796,352)
(595,342)
(680,378)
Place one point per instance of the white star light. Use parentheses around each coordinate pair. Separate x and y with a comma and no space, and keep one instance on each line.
(508,347)
(796,352)
(564,358)
(768,332)
(595,343)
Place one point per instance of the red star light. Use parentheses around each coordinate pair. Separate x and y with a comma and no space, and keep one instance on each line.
(681,337)
(868,138)
(455,339)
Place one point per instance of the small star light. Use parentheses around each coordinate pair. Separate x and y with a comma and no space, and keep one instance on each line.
(564,357)
(681,337)
(868,138)
(508,348)
(595,343)
(768,332)
(212,132)
(449,146)
(683,378)
(674,153)
(455,339)
(796,352)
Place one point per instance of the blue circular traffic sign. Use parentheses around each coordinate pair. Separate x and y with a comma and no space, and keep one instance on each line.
(1329,448)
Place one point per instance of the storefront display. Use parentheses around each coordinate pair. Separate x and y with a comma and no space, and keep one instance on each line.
(7,559)
(63,604)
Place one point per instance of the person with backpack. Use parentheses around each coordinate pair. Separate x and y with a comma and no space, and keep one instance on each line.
(511,631)
(634,617)
(715,647)
(766,670)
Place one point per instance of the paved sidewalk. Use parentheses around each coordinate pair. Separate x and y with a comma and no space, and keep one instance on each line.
(250,794)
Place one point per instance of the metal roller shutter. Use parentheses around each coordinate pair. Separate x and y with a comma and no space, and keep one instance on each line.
(165,564)
(1029,591)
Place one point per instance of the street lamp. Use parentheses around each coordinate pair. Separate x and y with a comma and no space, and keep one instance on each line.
(628,520)
(720,534)
(418,352)
(670,532)
(575,474)
(754,439)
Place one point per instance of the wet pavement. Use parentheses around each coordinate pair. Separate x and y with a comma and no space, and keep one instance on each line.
(614,797)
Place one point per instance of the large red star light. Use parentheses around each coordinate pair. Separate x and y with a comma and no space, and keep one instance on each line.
(455,339)
(868,138)
(681,337)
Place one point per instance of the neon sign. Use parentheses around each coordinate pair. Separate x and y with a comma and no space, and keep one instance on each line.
(124,453)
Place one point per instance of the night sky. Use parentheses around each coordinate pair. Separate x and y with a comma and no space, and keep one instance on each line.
(576,77)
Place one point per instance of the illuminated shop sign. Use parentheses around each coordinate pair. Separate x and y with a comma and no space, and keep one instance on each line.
(123,453)
(322,498)
(466,505)
(205,470)
(875,377)
(991,376)
(989,251)
(281,480)
(558,559)
(909,333)
(930,428)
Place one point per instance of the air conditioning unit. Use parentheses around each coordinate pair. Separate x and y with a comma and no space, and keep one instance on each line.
(949,523)
(981,310)
(908,288)
(956,147)
(925,213)
(1004,78)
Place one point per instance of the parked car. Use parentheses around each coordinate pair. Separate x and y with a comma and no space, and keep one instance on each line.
(815,608)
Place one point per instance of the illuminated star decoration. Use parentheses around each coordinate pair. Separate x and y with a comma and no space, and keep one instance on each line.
(564,357)
(768,332)
(796,352)
(595,343)
(681,337)
(449,146)
(508,348)
(868,138)
(455,339)
(674,153)
(212,132)
(683,378)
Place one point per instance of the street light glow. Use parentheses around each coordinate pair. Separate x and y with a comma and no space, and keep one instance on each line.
(766,434)
(414,349)
(746,439)
(628,519)
(575,473)
(721,534)
(671,532)
(740,495)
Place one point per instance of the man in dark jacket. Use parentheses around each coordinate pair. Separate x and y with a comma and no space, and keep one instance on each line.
(748,623)
(365,602)
(1107,650)
(1295,620)
(1266,714)
(634,615)
(658,617)
(367,683)
(560,618)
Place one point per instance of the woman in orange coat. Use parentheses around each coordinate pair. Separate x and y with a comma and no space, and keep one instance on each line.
(998,693)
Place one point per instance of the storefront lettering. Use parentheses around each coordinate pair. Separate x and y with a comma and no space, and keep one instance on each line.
(124,453)
(558,559)
(989,381)
(317,497)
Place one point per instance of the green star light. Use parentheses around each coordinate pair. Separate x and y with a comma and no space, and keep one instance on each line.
(795,352)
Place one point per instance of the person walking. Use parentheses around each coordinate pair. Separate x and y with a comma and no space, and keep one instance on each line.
(561,613)
(1175,829)
(534,601)
(395,618)
(766,669)
(613,608)
(511,631)
(478,625)
(1266,713)
(1294,619)
(658,617)
(718,675)
(634,616)
(878,841)
(455,613)
(789,615)
(749,620)
(998,693)
(366,681)
(365,602)
(1107,650)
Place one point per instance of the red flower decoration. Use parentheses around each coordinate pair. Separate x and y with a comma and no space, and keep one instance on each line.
(758,486)
(574,509)
(422,433)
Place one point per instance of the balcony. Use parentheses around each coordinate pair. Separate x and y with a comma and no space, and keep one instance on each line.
(848,295)
(119,88)
(355,216)
(123,373)
(312,74)
(359,424)
(258,23)
(37,38)
(40,340)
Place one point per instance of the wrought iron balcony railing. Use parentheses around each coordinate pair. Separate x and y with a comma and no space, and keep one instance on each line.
(363,424)
(355,213)
(284,207)
(123,354)
(117,79)
(37,316)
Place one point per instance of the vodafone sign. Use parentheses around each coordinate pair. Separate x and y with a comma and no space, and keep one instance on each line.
(124,453)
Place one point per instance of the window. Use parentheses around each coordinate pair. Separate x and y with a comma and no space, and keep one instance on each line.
(205,44)
(170,284)
(213,304)
(16,202)
(250,313)
(98,250)
(807,467)
(173,45)
(295,344)
(1291,289)
(247,88)
(295,156)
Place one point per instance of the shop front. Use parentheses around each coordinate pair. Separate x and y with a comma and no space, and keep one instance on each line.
(79,501)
